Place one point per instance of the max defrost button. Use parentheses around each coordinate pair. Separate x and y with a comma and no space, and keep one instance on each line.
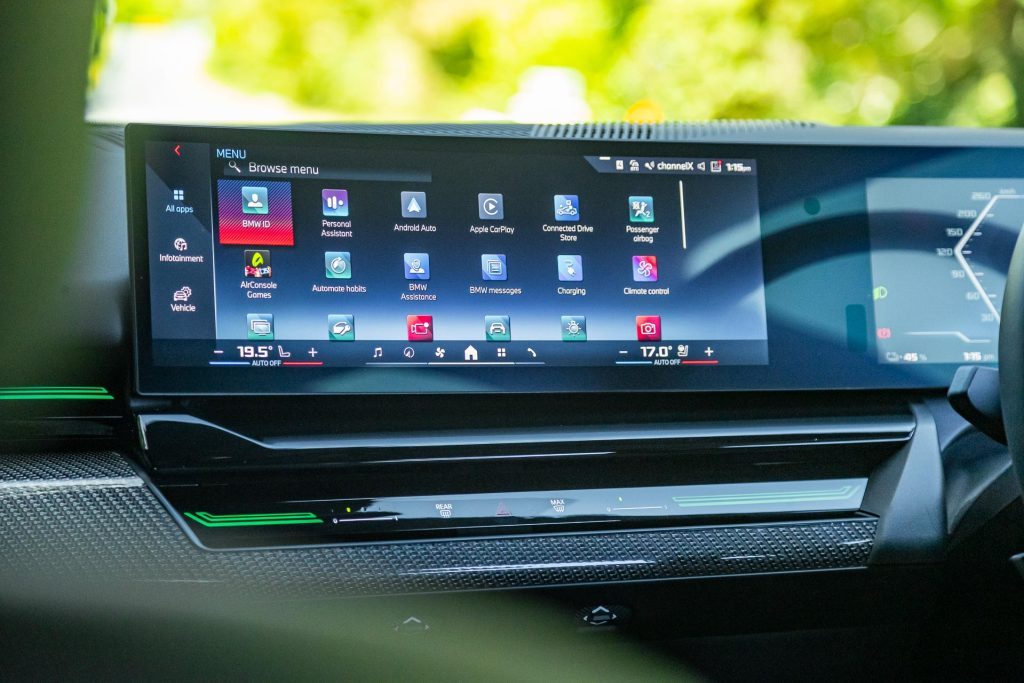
(412,625)
(604,615)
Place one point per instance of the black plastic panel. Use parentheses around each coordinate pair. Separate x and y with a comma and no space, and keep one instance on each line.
(247,516)
(118,530)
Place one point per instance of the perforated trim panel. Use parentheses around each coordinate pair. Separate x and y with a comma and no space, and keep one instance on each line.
(79,466)
(669,131)
(116,528)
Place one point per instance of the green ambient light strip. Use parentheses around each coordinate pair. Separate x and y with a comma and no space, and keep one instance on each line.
(54,393)
(267,519)
(843,493)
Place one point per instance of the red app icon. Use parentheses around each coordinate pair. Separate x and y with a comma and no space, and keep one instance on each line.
(648,328)
(421,327)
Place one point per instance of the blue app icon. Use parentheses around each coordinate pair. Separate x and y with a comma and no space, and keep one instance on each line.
(497,328)
(338,265)
(570,267)
(417,266)
(259,326)
(492,267)
(641,209)
(567,207)
(414,205)
(341,327)
(491,206)
(254,200)
(574,328)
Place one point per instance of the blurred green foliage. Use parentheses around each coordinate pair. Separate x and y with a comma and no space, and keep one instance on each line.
(838,61)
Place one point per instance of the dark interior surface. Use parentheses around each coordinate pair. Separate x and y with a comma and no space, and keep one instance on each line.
(833,518)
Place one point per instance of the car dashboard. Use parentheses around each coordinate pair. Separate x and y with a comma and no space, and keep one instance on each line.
(675,380)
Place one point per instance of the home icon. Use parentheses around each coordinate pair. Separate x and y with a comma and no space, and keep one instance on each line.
(471,353)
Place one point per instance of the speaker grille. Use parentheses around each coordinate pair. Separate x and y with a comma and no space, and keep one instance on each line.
(671,131)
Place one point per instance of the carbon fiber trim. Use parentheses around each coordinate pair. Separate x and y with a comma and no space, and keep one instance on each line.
(114,528)
(83,465)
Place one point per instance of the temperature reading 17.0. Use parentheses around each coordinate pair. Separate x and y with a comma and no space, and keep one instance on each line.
(940,249)
(251,351)
(655,351)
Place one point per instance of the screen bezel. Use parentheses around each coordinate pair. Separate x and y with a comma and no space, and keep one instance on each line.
(850,366)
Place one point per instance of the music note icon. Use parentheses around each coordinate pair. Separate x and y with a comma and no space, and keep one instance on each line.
(378,352)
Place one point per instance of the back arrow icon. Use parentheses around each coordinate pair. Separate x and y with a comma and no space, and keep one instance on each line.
(177,150)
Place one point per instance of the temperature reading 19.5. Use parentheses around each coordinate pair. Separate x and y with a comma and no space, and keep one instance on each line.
(250,351)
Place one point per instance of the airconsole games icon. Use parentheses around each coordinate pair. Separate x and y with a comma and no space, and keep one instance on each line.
(255,215)
(257,263)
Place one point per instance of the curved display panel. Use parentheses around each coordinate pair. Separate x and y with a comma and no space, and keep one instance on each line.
(286,262)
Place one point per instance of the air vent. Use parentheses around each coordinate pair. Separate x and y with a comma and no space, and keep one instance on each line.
(670,131)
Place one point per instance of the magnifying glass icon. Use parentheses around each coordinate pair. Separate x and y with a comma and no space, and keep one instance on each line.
(233,165)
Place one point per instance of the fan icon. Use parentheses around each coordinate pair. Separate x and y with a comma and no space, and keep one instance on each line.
(439,352)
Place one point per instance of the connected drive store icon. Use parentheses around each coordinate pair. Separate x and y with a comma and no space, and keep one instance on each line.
(567,207)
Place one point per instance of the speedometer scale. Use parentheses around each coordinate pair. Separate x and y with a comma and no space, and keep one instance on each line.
(940,252)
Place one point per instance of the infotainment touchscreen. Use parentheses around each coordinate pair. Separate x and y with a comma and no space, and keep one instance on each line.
(276,258)
(323,262)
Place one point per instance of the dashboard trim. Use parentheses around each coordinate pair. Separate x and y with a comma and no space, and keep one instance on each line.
(126,534)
